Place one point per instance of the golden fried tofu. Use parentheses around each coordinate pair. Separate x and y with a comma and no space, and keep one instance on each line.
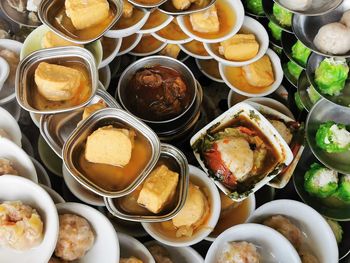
(127,9)
(86,13)
(206,21)
(130,260)
(158,189)
(92,108)
(51,39)
(109,145)
(259,73)
(171,50)
(57,83)
(181,4)
(240,47)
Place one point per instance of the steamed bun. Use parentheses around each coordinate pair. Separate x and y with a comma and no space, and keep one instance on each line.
(297,5)
(345,19)
(333,38)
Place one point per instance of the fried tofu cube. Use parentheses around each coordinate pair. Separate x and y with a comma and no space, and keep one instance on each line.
(87,13)
(89,110)
(206,21)
(109,145)
(171,50)
(259,73)
(128,9)
(130,260)
(57,83)
(158,189)
(51,39)
(240,47)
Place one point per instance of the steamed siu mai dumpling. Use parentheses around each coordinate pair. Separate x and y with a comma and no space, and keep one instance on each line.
(333,38)
(297,5)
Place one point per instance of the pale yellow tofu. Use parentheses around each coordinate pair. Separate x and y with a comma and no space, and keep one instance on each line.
(194,208)
(158,189)
(240,47)
(86,13)
(109,145)
(181,4)
(206,21)
(93,108)
(128,9)
(57,83)
(130,260)
(259,73)
(171,50)
(51,39)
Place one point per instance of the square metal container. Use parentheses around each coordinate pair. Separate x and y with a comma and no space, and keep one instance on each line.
(167,151)
(48,10)
(56,128)
(101,118)
(27,67)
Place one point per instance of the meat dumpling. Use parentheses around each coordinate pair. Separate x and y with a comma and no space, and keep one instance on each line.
(333,38)
(239,252)
(206,21)
(345,19)
(297,5)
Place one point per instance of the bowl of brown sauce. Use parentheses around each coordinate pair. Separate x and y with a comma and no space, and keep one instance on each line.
(161,91)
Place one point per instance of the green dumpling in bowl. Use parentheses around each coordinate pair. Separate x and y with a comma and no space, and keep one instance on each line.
(283,16)
(300,53)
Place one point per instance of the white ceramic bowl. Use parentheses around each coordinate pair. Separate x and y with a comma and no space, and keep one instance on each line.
(10,126)
(131,47)
(30,193)
(106,245)
(148,53)
(13,108)
(318,234)
(273,104)
(27,146)
(157,28)
(33,43)
(80,191)
(278,72)
(4,71)
(188,52)
(35,118)
(20,160)
(236,7)
(104,75)
(43,177)
(179,254)
(118,33)
(56,197)
(254,27)
(251,202)
(206,73)
(171,41)
(233,98)
(272,246)
(9,94)
(117,43)
(214,199)
(130,246)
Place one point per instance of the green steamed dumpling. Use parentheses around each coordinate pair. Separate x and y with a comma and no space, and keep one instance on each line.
(276,31)
(255,6)
(333,137)
(294,69)
(283,16)
(300,53)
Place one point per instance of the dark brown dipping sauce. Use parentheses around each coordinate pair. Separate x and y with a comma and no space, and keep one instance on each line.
(158,93)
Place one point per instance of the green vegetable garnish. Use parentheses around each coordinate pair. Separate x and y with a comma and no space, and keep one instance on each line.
(294,69)
(275,31)
(320,181)
(283,16)
(300,53)
(255,6)
(298,102)
(333,137)
(313,94)
(343,192)
(330,76)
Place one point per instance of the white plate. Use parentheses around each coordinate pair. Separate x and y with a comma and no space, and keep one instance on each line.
(106,245)
(56,197)
(43,177)
(130,246)
(107,60)
(251,26)
(214,199)
(179,254)
(10,126)
(286,156)
(80,191)
(271,245)
(318,234)
(20,160)
(278,74)
(30,193)
(118,33)
(236,7)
